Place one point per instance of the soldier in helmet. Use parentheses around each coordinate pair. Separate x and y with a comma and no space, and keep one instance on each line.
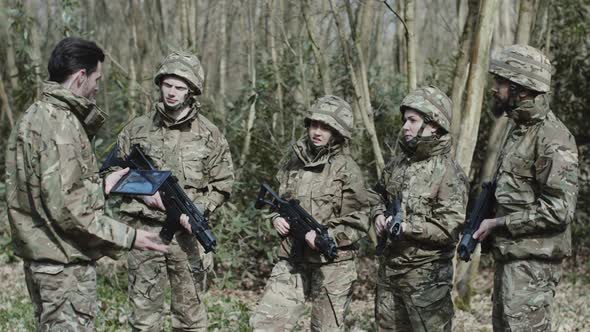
(177,137)
(415,270)
(536,191)
(320,173)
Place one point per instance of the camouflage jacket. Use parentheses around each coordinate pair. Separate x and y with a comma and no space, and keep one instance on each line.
(192,148)
(433,190)
(330,187)
(53,191)
(537,185)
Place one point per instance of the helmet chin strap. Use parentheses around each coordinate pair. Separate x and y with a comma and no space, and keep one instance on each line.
(188,101)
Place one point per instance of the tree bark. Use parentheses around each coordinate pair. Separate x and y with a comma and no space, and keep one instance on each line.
(35,48)
(360,85)
(318,53)
(254,96)
(5,109)
(462,67)
(476,84)
(470,125)
(278,116)
(222,62)
(11,68)
(409,15)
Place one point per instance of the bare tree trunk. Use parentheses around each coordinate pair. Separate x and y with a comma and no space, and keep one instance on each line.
(470,125)
(5,109)
(462,67)
(411,43)
(360,85)
(278,116)
(318,53)
(35,48)
(476,83)
(222,62)
(526,16)
(400,49)
(541,25)
(12,69)
(254,97)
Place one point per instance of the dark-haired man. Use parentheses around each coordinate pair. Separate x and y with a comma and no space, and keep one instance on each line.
(55,196)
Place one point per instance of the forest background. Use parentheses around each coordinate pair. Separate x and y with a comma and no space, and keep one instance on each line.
(265,62)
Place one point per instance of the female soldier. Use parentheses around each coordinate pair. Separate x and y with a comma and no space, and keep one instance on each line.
(416,270)
(329,185)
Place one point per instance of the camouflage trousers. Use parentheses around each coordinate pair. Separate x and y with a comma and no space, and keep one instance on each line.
(63,296)
(523,295)
(149,274)
(417,300)
(327,286)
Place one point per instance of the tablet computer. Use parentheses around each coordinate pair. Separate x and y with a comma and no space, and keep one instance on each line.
(140,182)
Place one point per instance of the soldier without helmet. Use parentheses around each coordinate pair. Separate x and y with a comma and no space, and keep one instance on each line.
(54,193)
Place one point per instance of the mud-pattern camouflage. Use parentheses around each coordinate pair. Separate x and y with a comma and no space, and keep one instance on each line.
(149,274)
(327,286)
(416,271)
(536,198)
(537,186)
(524,65)
(184,65)
(330,186)
(433,191)
(335,112)
(198,155)
(418,301)
(53,191)
(433,103)
(523,295)
(55,210)
(64,296)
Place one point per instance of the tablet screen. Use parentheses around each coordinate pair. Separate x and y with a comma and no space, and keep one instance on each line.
(140,182)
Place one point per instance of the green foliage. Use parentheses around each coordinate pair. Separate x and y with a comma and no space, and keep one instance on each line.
(227,313)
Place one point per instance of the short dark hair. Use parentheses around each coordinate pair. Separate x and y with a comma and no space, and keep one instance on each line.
(72,54)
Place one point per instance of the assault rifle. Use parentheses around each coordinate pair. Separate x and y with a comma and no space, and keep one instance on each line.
(393,227)
(482,210)
(174,198)
(300,222)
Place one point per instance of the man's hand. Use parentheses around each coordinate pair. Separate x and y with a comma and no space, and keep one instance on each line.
(145,240)
(381,224)
(111,180)
(486,227)
(184,222)
(154,201)
(310,239)
(281,225)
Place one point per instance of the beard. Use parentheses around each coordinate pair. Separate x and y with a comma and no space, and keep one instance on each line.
(500,107)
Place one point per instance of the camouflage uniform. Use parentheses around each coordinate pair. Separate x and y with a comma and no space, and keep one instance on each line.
(536,197)
(55,208)
(416,272)
(198,155)
(330,186)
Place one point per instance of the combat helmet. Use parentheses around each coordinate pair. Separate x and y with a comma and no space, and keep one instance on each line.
(523,65)
(184,65)
(333,111)
(433,104)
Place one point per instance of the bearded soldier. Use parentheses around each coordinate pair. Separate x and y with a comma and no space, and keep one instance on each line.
(54,193)
(320,173)
(416,270)
(536,191)
(177,137)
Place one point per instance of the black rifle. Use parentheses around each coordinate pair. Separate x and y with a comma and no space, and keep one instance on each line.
(482,210)
(300,222)
(393,227)
(174,198)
